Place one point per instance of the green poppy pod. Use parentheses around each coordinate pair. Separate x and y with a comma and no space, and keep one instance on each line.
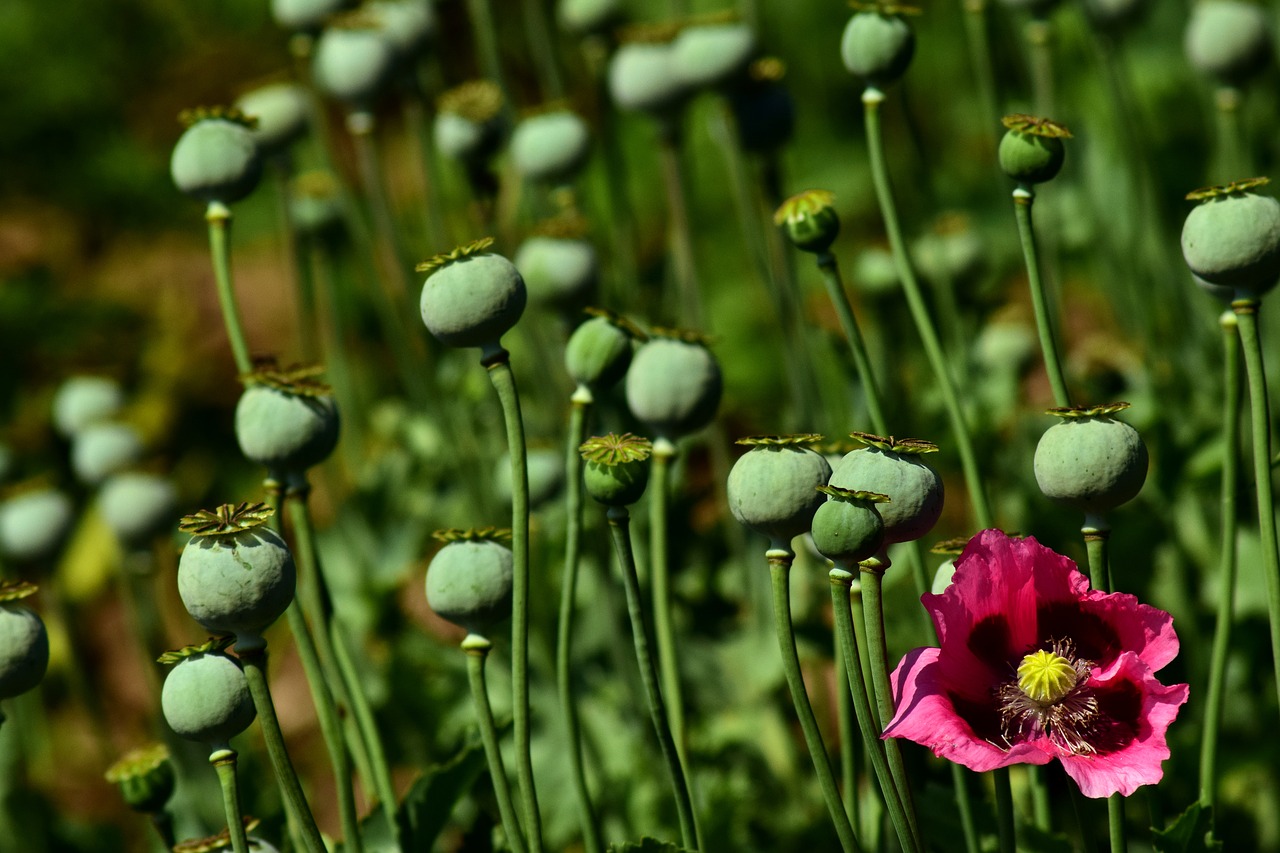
(102,449)
(409,25)
(471,298)
(847,528)
(305,15)
(673,384)
(877,47)
(642,77)
(469,580)
(559,272)
(1220,292)
(206,698)
(809,220)
(216,158)
(588,17)
(942,577)
(145,777)
(545,467)
(24,643)
(282,111)
(235,576)
(468,125)
(137,506)
(353,63)
(82,400)
(952,250)
(1232,237)
(1091,461)
(550,147)
(773,488)
(616,468)
(599,351)
(1229,40)
(893,467)
(1031,151)
(33,524)
(709,55)
(315,204)
(286,420)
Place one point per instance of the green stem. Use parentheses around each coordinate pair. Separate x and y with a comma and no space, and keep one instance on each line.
(218,216)
(1115,823)
(780,558)
(871,100)
(486,42)
(619,527)
(660,587)
(477,649)
(1081,808)
(543,49)
(300,261)
(848,748)
(224,761)
(1040,810)
(975,31)
(1006,838)
(1227,560)
(834,283)
(964,802)
(1232,160)
(361,126)
(679,233)
(1023,198)
(415,117)
(1038,33)
(498,366)
(1096,536)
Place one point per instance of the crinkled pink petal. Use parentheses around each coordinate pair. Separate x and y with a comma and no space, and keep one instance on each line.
(1142,629)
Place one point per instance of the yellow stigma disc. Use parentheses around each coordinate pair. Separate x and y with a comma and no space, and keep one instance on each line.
(1046,677)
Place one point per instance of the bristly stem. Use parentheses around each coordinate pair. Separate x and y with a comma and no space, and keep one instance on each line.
(619,526)
(686,307)
(1023,197)
(660,588)
(834,284)
(477,650)
(224,761)
(218,215)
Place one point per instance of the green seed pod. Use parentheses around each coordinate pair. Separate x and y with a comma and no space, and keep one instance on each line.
(643,78)
(1220,292)
(875,273)
(137,506)
(206,698)
(673,384)
(617,468)
(599,351)
(471,298)
(1230,40)
(353,63)
(24,643)
(546,476)
(550,147)
(315,204)
(282,112)
(409,25)
(216,159)
(709,55)
(33,524)
(809,220)
(102,449)
(82,400)
(468,123)
(848,529)
(286,420)
(763,109)
(588,17)
(559,272)
(145,777)
(235,576)
(773,488)
(877,47)
(942,577)
(1031,151)
(953,250)
(305,15)
(1232,237)
(1089,460)
(470,578)
(893,467)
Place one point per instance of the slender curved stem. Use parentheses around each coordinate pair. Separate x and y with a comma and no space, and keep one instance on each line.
(486,42)
(477,649)
(831,278)
(848,746)
(498,366)
(979,42)
(660,588)
(1006,839)
(281,166)
(224,762)
(686,307)
(1023,198)
(542,48)
(619,527)
(218,215)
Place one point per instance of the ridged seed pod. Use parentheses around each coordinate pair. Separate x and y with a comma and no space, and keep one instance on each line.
(353,63)
(24,643)
(1031,151)
(550,147)
(282,112)
(286,420)
(877,47)
(847,528)
(707,55)
(616,468)
(643,78)
(145,777)
(599,351)
(1229,40)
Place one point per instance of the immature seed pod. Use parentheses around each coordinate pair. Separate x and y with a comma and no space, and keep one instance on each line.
(952,250)
(550,147)
(1232,237)
(674,383)
(1230,40)
(286,420)
(599,351)
(559,272)
(1089,460)
(305,15)
(469,123)
(809,220)
(216,159)
(893,467)
(33,524)
(763,109)
(643,76)
(1031,151)
(711,54)
(82,400)
(353,61)
(469,580)
(773,488)
(24,643)
(145,777)
(877,46)
(409,25)
(137,506)
(282,112)
(102,449)
(847,528)
(588,17)
(206,697)
(235,575)
(471,298)
(617,468)
(315,204)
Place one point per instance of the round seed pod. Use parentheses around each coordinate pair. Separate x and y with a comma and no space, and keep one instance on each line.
(282,112)
(809,220)
(588,17)
(315,204)
(673,384)
(33,524)
(710,55)
(469,580)
(24,643)
(145,777)
(952,251)
(137,506)
(550,147)
(616,468)
(471,298)
(1091,461)
(305,15)
(82,400)
(206,698)
(773,488)
(763,108)
(875,273)
(643,78)
(409,25)
(353,63)
(1220,292)
(235,576)
(559,272)
(848,529)
(1031,151)
(468,124)
(599,351)
(893,467)
(546,476)
(942,577)
(1230,40)
(217,158)
(877,47)
(102,449)
(286,421)
(1232,237)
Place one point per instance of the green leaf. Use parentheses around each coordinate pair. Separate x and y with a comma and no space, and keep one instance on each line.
(647,845)
(1192,832)
(428,804)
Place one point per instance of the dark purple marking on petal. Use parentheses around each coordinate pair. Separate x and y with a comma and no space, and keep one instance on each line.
(1094,639)
(982,717)
(991,642)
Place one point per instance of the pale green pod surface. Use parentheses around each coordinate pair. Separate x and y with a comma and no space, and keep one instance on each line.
(102,449)
(469,583)
(33,524)
(774,489)
(1234,240)
(550,147)
(942,577)
(304,15)
(878,48)
(145,777)
(137,506)
(546,476)
(586,17)
(958,256)
(24,649)
(598,353)
(473,301)
(643,78)
(709,55)
(82,400)
(914,489)
(616,485)
(216,160)
(407,24)
(1220,292)
(284,432)
(1094,464)
(673,386)
(1228,39)
(353,65)
(282,112)
(1029,158)
(559,272)
(206,698)
(315,204)
(237,583)
(460,138)
(847,532)
(875,273)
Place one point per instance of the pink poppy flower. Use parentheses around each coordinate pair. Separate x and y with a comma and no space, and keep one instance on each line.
(1034,665)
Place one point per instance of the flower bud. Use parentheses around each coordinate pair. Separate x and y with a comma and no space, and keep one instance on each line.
(145,777)
(809,220)
(1031,151)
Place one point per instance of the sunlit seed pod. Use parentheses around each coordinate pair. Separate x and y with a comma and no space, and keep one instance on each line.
(713,54)
(1030,159)
(103,449)
(286,421)
(1233,239)
(952,251)
(588,17)
(206,698)
(408,24)
(559,272)
(913,487)
(1229,40)
(1093,464)
(643,78)
(550,147)
(33,524)
(847,528)
(598,353)
(137,506)
(673,385)
(469,124)
(615,468)
(471,298)
(315,204)
(145,777)
(305,15)
(216,160)
(353,64)
(282,112)
(1005,347)
(877,47)
(875,273)
(24,649)
(469,583)
(773,488)
(82,400)
(809,220)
